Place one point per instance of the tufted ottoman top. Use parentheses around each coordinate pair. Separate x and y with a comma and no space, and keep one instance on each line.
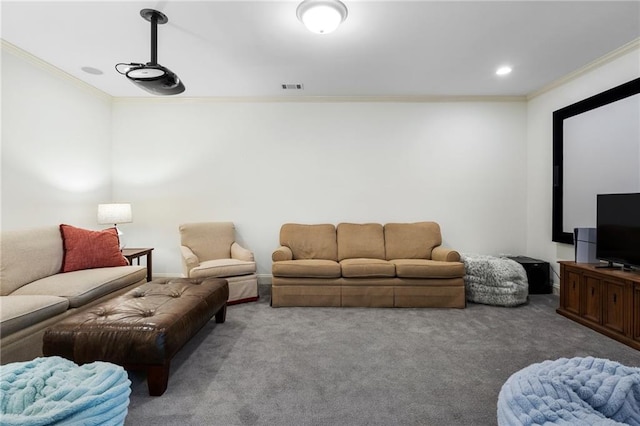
(146,325)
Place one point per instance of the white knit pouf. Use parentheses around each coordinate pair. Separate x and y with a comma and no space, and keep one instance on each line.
(494,280)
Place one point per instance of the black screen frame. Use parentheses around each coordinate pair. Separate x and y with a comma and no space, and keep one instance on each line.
(617,93)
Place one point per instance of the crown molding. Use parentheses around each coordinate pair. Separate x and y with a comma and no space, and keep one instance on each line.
(46,66)
(609,57)
(321,99)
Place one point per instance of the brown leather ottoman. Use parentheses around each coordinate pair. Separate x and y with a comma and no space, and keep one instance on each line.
(142,329)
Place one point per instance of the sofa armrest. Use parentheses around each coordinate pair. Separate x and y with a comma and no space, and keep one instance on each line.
(282,253)
(444,254)
(241,253)
(189,260)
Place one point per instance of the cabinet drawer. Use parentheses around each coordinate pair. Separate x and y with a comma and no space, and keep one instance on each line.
(615,306)
(572,293)
(592,305)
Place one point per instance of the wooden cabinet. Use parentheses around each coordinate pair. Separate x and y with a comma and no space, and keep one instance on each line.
(606,300)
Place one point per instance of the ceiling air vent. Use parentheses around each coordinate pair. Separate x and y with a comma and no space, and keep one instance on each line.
(292,87)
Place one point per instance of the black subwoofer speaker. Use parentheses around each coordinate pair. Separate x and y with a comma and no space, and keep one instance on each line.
(538,274)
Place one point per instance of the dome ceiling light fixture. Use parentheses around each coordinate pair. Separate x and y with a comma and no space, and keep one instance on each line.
(152,77)
(321,16)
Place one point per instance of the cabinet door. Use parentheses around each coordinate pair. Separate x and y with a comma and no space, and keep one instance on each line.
(592,307)
(614,307)
(572,293)
(636,312)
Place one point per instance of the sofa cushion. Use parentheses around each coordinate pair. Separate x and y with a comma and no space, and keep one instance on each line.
(364,268)
(364,240)
(309,268)
(310,241)
(28,255)
(423,268)
(87,249)
(81,287)
(222,268)
(411,240)
(18,312)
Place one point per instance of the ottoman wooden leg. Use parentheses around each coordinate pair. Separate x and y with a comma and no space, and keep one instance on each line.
(221,315)
(157,378)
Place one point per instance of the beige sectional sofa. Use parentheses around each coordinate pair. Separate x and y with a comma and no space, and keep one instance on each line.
(395,265)
(34,294)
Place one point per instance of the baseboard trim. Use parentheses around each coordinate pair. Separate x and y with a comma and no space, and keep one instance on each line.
(265,279)
(167,275)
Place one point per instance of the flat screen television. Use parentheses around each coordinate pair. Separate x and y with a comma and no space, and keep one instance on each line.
(618,229)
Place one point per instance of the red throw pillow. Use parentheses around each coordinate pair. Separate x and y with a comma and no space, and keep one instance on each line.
(86,249)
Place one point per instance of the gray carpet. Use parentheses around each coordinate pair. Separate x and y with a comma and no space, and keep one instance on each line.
(358,366)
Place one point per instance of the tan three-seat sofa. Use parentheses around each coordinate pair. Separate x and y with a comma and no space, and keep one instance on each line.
(395,265)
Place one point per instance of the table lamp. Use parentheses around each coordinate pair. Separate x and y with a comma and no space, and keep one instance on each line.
(114,213)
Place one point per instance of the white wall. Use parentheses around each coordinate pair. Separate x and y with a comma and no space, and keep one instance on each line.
(462,164)
(56,145)
(67,147)
(539,148)
(481,169)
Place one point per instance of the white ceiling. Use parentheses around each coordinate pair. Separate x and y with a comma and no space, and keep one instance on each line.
(384,48)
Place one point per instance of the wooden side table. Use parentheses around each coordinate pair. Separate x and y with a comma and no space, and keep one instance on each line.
(137,253)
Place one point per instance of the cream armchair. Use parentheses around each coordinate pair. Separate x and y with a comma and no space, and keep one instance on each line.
(209,249)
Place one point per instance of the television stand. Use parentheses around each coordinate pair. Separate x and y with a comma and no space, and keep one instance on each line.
(605,300)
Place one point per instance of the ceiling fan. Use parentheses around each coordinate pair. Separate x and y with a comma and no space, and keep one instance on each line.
(152,77)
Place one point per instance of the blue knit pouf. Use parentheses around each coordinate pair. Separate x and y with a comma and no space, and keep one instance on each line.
(577,391)
(56,391)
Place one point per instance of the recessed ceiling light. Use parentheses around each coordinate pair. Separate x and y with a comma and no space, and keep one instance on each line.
(92,70)
(504,70)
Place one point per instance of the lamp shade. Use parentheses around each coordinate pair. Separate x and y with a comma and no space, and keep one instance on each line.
(114,213)
(321,16)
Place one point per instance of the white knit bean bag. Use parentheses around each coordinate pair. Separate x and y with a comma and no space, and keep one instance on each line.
(494,280)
